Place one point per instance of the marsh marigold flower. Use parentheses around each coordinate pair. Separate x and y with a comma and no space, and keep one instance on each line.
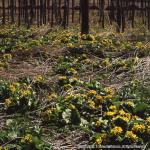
(138,128)
(8,102)
(130,135)
(116,130)
(27,139)
(110,113)
(130,103)
(113,107)
(92,92)
(100,98)
(99,141)
(91,104)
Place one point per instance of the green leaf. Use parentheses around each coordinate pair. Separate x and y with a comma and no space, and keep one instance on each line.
(141,107)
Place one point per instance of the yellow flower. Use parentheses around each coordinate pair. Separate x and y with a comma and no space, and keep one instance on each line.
(108,97)
(8,102)
(138,128)
(7,57)
(25,93)
(116,130)
(69,97)
(92,92)
(130,135)
(106,62)
(109,91)
(27,139)
(99,141)
(141,46)
(72,107)
(70,45)
(12,88)
(122,112)
(110,113)
(126,119)
(135,117)
(52,96)
(91,104)
(107,42)
(100,98)
(130,103)
(101,138)
(112,107)
(90,37)
(148,120)
(99,122)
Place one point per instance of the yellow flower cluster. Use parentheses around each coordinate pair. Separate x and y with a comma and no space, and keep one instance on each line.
(106,62)
(25,93)
(113,107)
(63,37)
(141,46)
(126,119)
(110,113)
(107,42)
(116,131)
(92,92)
(8,102)
(27,138)
(52,96)
(109,91)
(7,57)
(138,128)
(100,139)
(13,87)
(99,122)
(130,135)
(70,46)
(88,37)
(91,104)
(123,116)
(130,103)
(100,98)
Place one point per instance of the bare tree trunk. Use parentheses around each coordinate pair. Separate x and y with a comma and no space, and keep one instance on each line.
(85,16)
